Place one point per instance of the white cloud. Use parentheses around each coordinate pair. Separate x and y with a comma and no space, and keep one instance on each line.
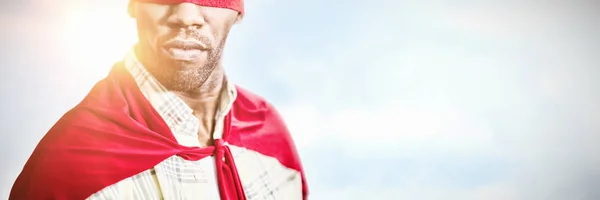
(417,134)
(423,192)
(391,132)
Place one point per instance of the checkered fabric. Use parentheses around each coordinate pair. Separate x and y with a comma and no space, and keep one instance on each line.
(175,178)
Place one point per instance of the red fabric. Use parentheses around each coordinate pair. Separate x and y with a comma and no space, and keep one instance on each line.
(115,133)
(237,5)
(247,131)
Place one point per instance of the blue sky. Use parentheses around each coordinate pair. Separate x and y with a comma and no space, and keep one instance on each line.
(386,99)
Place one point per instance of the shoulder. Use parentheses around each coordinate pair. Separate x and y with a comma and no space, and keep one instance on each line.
(259,127)
(247,97)
(252,101)
(251,107)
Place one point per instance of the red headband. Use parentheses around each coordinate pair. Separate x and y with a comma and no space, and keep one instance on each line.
(237,5)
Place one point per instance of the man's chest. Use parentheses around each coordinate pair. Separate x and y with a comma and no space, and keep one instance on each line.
(262,177)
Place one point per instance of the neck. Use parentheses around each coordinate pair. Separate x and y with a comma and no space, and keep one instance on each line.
(205,104)
(205,100)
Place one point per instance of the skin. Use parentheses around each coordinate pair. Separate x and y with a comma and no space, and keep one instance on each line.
(199,79)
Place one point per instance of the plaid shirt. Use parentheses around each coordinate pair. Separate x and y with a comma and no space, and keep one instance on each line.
(175,178)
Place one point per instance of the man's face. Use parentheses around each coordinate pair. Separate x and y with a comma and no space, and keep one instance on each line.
(181,44)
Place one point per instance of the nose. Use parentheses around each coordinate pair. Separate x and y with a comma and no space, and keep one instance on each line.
(185,15)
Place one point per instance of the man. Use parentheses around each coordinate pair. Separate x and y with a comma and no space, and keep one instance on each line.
(167,124)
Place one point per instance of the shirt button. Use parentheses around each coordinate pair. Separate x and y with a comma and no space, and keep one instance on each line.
(188,125)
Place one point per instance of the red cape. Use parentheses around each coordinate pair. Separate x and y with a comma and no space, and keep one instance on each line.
(115,133)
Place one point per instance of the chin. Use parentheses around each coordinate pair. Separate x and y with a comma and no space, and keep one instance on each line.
(184,64)
(188,65)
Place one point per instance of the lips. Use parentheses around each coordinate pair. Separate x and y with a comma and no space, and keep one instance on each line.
(185,50)
(186,44)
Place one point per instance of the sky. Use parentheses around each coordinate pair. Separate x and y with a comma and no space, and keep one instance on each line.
(437,99)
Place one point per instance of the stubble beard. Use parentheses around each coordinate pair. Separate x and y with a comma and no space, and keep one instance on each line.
(204,78)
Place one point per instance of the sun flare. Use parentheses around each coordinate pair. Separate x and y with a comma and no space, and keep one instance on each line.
(98,38)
